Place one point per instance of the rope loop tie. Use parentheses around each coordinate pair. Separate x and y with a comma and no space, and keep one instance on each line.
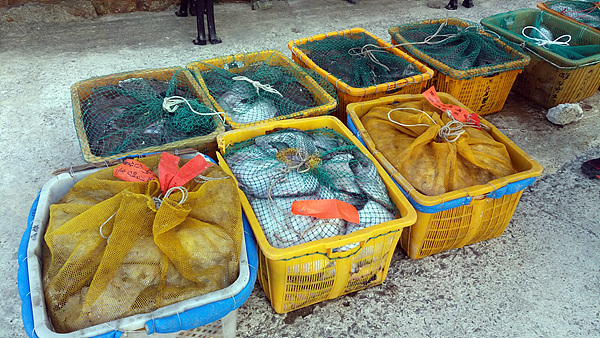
(257,85)
(546,40)
(172,103)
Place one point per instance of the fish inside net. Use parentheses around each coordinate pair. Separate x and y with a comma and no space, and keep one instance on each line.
(290,165)
(261,90)
(460,48)
(358,60)
(132,115)
(586,12)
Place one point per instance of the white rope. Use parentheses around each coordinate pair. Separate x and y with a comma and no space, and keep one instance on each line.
(102,226)
(365,52)
(546,40)
(202,179)
(184,193)
(158,200)
(171,104)
(450,132)
(258,85)
(410,125)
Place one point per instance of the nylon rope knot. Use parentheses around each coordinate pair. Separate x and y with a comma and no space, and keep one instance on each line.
(158,200)
(450,132)
(258,85)
(546,40)
(364,51)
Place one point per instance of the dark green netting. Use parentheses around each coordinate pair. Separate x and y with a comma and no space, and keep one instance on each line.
(130,115)
(553,38)
(322,81)
(345,58)
(260,91)
(460,48)
(586,12)
(289,165)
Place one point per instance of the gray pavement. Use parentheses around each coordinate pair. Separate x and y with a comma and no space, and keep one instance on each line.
(541,278)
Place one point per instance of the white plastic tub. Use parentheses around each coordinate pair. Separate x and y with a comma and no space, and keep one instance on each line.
(185,315)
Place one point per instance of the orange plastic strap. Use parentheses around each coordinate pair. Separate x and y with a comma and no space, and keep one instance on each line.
(330,208)
(170,175)
(133,171)
(458,113)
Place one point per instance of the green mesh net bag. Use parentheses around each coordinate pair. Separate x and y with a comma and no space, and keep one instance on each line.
(254,89)
(586,12)
(277,170)
(358,60)
(458,44)
(141,112)
(553,37)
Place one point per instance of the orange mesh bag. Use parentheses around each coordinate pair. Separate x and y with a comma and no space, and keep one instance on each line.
(117,248)
(432,150)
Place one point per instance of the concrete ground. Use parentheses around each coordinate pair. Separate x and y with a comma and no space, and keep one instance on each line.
(540,278)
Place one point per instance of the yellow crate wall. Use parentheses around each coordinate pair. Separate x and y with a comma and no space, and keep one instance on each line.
(549,85)
(303,281)
(481,219)
(308,273)
(347,94)
(82,90)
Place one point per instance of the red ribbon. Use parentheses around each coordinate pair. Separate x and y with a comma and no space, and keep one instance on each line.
(170,175)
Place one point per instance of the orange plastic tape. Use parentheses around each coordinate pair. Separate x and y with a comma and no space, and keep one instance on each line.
(330,208)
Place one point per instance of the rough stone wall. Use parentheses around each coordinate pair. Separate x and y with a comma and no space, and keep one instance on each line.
(101,7)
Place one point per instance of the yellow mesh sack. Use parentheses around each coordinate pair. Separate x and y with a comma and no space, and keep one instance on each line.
(115,250)
(434,152)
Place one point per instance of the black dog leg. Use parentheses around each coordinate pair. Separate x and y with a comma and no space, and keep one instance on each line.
(452,5)
(468,3)
(183,9)
(200,9)
(210,19)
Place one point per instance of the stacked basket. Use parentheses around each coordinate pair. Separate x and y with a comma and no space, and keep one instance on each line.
(360,46)
(304,274)
(455,218)
(229,79)
(122,114)
(553,76)
(475,67)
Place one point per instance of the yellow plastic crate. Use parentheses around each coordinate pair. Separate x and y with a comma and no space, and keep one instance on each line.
(348,94)
(308,273)
(239,62)
(460,217)
(483,89)
(550,79)
(82,90)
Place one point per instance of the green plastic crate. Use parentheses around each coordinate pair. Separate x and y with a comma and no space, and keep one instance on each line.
(550,79)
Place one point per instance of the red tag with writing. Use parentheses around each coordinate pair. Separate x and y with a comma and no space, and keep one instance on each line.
(330,208)
(134,171)
(458,113)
